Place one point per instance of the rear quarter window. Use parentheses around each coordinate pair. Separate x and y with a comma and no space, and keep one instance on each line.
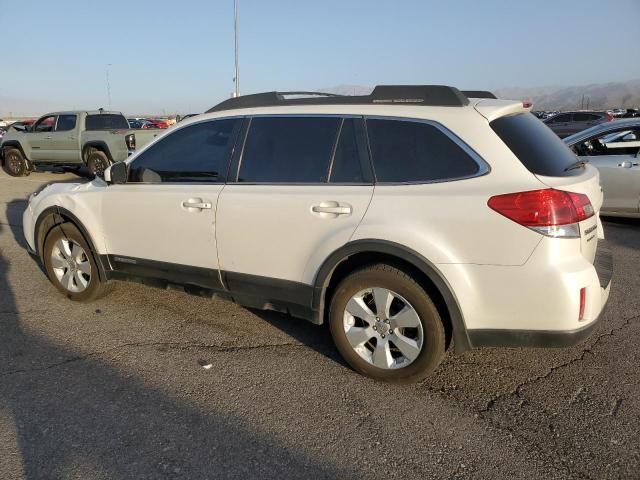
(416,152)
(537,147)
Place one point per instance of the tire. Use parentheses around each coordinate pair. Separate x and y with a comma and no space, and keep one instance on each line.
(73,270)
(97,162)
(15,164)
(390,346)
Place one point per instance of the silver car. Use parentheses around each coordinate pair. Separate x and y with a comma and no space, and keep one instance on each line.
(614,149)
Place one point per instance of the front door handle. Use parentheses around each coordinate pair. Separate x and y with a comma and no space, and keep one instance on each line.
(332,209)
(48,138)
(196,204)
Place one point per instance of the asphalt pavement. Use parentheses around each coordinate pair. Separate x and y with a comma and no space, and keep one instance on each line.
(156,384)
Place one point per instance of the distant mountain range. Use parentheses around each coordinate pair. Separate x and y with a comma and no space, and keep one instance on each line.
(595,96)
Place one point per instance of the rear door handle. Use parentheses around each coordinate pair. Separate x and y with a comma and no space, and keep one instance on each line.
(196,204)
(332,208)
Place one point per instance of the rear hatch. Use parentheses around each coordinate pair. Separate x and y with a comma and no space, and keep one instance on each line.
(555,165)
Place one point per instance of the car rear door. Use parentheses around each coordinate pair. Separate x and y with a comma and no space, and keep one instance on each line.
(161,223)
(64,139)
(302,186)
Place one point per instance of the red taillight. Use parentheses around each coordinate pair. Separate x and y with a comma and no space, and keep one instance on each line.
(539,209)
(583,299)
(610,117)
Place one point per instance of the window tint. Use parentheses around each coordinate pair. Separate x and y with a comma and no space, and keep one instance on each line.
(66,123)
(536,146)
(45,124)
(347,161)
(562,118)
(416,152)
(106,121)
(288,149)
(197,153)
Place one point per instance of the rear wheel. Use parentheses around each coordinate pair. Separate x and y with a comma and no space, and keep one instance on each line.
(98,162)
(385,325)
(70,265)
(15,164)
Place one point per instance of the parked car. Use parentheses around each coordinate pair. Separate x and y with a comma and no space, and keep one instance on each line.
(134,123)
(409,219)
(3,130)
(631,113)
(96,139)
(568,123)
(614,149)
(155,123)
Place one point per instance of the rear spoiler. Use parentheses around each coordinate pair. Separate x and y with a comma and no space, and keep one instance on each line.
(478,94)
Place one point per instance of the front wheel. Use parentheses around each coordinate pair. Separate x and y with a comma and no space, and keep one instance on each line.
(15,164)
(385,325)
(70,265)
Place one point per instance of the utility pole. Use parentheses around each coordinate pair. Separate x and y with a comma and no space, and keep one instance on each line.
(108,88)
(236,79)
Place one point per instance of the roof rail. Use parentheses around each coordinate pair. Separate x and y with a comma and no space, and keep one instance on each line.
(478,94)
(427,95)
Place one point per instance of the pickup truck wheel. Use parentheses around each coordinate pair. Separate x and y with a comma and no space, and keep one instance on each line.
(98,162)
(70,265)
(385,325)
(15,164)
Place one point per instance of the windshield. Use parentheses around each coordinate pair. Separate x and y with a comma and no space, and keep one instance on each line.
(536,146)
(106,121)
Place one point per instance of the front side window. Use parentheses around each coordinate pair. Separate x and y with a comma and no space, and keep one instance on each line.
(65,123)
(196,153)
(288,149)
(406,151)
(624,141)
(45,124)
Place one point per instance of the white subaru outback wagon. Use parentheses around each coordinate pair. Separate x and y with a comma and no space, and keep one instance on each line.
(409,219)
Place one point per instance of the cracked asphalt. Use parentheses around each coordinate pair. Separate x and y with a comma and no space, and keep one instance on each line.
(148,383)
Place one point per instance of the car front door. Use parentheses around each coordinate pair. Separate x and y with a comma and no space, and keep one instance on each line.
(617,159)
(302,187)
(161,223)
(65,147)
(41,138)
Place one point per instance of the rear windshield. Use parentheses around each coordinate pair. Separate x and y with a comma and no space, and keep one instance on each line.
(538,148)
(106,121)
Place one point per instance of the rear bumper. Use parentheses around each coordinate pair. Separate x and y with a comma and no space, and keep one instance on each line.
(603,264)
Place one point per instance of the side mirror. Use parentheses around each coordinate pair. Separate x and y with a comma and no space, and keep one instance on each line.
(629,137)
(116,173)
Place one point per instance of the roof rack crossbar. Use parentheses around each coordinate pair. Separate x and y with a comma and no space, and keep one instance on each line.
(425,95)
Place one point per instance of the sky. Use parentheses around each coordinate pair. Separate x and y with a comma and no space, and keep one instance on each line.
(176,56)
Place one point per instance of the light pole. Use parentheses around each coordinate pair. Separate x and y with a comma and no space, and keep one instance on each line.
(108,88)
(236,92)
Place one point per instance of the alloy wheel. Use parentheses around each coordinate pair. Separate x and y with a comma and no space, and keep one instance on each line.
(383,328)
(71,265)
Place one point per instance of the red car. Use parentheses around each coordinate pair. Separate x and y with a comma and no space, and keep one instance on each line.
(153,123)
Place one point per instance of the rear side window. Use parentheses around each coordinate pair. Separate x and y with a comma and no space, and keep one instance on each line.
(405,151)
(536,145)
(197,153)
(66,123)
(288,149)
(585,117)
(106,121)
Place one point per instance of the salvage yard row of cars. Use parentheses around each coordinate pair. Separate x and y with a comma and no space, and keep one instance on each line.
(350,210)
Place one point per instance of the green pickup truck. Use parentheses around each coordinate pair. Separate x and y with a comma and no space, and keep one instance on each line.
(95,139)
